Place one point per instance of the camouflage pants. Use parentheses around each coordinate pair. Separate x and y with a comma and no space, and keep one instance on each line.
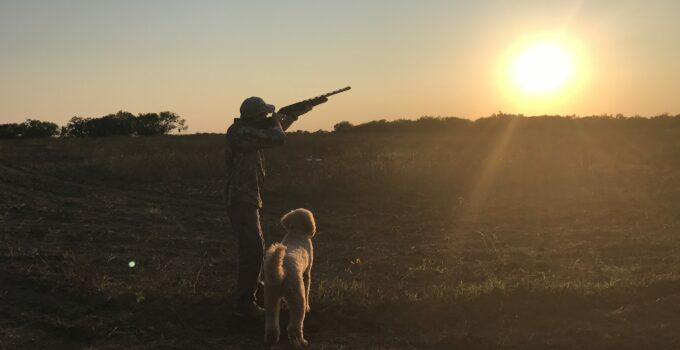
(245,224)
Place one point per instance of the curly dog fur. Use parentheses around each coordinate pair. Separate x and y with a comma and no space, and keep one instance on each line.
(287,275)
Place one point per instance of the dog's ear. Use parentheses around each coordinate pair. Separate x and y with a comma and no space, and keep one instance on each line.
(301,220)
(310,223)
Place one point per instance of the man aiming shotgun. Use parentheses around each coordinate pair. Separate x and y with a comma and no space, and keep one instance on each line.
(246,138)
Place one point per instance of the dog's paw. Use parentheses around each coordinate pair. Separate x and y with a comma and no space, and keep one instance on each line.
(308,308)
(299,343)
(271,337)
(296,339)
(275,347)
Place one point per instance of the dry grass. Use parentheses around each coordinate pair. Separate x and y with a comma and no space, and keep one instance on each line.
(514,235)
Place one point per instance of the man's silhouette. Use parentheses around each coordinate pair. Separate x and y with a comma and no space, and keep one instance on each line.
(245,165)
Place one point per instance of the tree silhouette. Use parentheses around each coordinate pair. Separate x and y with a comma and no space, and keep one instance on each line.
(29,129)
(9,131)
(343,126)
(125,124)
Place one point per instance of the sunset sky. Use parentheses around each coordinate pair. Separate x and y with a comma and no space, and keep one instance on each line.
(403,59)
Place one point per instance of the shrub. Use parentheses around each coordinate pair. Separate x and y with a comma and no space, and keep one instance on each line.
(29,129)
(343,126)
(125,124)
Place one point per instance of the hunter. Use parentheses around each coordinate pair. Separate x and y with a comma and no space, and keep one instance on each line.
(245,165)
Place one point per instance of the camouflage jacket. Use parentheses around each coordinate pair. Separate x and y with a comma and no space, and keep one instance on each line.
(244,161)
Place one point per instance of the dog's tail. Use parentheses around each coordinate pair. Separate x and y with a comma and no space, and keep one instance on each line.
(273,264)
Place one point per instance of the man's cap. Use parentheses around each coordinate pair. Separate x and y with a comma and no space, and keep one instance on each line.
(254,106)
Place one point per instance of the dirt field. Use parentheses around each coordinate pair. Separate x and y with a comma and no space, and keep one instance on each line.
(511,235)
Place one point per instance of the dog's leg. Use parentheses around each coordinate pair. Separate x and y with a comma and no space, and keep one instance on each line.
(272,301)
(308,283)
(296,307)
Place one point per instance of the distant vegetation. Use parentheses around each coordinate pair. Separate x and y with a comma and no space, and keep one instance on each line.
(149,124)
(434,124)
(28,129)
(118,124)
(125,124)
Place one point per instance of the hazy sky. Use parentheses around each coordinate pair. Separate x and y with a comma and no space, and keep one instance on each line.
(403,59)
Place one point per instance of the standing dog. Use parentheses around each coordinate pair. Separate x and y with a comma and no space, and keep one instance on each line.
(287,275)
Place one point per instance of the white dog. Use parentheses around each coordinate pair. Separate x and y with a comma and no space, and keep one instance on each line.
(287,275)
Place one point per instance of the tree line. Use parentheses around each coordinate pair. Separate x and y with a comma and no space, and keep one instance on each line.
(435,124)
(116,124)
(148,124)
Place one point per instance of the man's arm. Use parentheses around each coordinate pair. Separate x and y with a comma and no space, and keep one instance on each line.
(252,138)
(287,120)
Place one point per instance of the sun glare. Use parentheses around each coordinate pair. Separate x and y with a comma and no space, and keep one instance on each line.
(542,69)
(544,73)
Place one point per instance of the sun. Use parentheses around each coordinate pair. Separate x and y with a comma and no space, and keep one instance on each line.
(545,72)
(542,68)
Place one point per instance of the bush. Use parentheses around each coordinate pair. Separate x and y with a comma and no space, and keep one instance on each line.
(37,128)
(9,131)
(343,126)
(426,124)
(28,129)
(125,124)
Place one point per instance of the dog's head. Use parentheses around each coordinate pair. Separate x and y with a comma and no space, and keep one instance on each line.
(299,220)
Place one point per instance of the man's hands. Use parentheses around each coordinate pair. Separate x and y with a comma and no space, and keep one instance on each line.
(278,118)
(284,121)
